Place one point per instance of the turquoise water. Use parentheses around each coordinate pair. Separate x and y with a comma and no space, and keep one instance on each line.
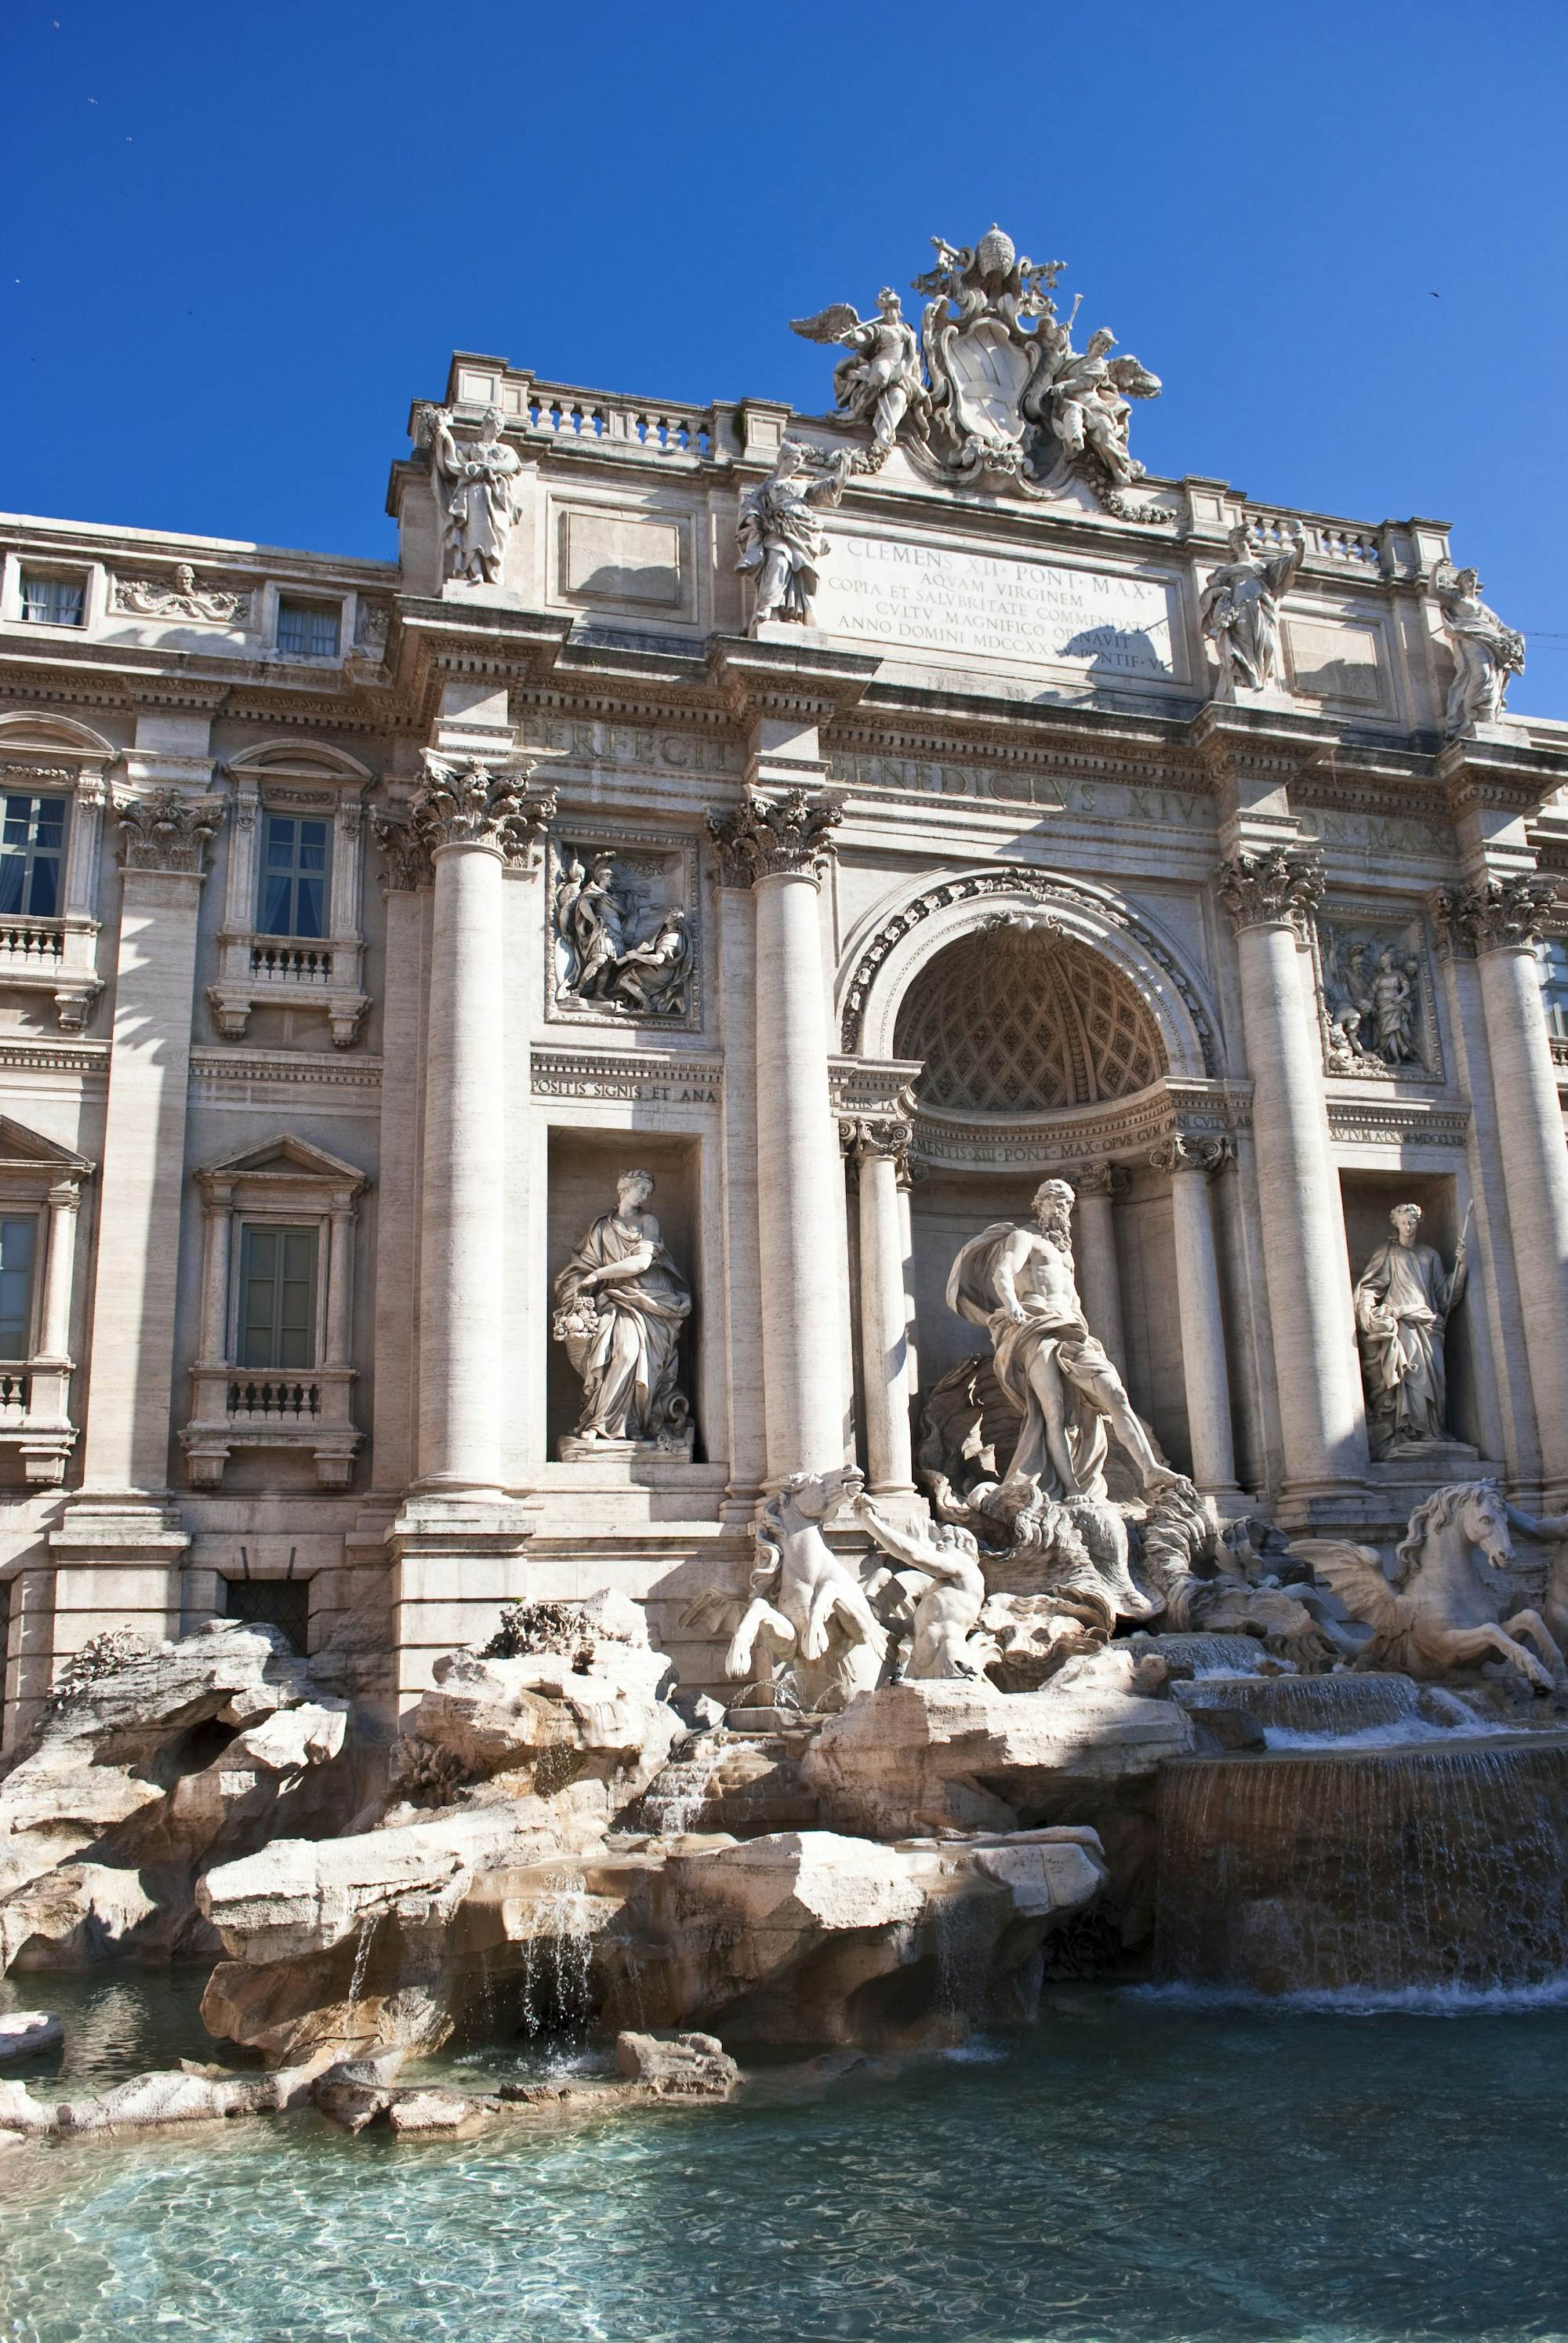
(1142,2169)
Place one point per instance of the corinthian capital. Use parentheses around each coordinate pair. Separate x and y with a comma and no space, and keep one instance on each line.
(768,835)
(862,1136)
(166,831)
(1258,889)
(473,804)
(1100,1179)
(408,863)
(1491,917)
(1183,1152)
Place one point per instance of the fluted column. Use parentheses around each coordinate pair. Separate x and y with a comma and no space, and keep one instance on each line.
(1500,920)
(780,847)
(1204,1369)
(1271,898)
(473,822)
(876,1146)
(1094,1255)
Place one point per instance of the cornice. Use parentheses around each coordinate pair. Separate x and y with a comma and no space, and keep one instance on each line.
(805,679)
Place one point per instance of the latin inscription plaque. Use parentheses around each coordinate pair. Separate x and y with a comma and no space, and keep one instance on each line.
(934,597)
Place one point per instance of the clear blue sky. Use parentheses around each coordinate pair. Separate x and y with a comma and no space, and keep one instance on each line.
(239,240)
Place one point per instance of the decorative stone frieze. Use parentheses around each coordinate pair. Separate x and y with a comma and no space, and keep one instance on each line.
(166,831)
(766,836)
(1495,916)
(181,598)
(1186,1152)
(1284,886)
(475,804)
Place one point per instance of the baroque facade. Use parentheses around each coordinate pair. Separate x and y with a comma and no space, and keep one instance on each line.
(502,1050)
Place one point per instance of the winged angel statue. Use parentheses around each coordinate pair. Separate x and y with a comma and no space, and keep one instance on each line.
(992,389)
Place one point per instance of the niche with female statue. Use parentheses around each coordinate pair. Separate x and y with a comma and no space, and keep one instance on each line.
(622,1252)
(1419,1328)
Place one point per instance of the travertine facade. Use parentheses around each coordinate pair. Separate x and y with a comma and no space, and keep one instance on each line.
(364,923)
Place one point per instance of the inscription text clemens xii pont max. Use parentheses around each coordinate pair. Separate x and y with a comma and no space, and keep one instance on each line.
(936,597)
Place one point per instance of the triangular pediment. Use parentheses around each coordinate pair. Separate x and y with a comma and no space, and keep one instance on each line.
(21,1148)
(285,1153)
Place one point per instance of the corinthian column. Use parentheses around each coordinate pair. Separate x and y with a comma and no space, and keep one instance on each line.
(1500,920)
(1094,1255)
(1271,898)
(1204,1371)
(472,822)
(877,1146)
(779,847)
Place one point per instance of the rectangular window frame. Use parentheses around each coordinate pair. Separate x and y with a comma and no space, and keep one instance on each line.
(295,877)
(33,854)
(286,1223)
(315,617)
(29,1320)
(77,580)
(1552,964)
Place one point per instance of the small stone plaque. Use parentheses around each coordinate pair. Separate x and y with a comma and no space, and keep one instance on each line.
(616,557)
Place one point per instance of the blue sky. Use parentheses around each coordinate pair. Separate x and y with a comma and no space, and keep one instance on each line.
(238,241)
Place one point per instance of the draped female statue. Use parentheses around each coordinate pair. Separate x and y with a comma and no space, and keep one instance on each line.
(619,1306)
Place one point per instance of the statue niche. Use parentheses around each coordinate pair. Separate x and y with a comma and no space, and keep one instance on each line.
(620,1305)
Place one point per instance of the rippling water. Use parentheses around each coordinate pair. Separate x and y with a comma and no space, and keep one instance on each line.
(1143,2168)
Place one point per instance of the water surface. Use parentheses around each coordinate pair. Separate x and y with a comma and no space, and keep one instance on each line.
(1144,2168)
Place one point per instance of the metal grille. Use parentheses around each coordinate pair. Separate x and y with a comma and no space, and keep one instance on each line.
(1016,1031)
(281,1602)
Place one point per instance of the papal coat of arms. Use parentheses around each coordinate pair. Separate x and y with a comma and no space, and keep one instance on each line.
(991,392)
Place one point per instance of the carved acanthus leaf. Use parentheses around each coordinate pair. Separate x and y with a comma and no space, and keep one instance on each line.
(1258,889)
(769,835)
(1101,1180)
(475,804)
(166,831)
(1184,1153)
(1491,917)
(407,864)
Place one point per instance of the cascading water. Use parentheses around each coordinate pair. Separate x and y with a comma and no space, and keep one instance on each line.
(1444,1866)
(1294,1709)
(557,1985)
(368,1928)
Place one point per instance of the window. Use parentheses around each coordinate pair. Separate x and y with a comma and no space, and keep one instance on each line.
(280,1603)
(32,840)
(53,602)
(293,876)
(309,630)
(18,1251)
(1553,956)
(276,1299)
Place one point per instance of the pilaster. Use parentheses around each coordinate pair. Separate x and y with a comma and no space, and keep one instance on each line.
(879,1146)
(1204,1368)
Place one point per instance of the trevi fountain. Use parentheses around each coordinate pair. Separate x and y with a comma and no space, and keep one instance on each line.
(784,1496)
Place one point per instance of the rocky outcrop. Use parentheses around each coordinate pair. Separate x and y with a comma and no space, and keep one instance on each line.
(954,1756)
(28,2034)
(677,2066)
(144,1769)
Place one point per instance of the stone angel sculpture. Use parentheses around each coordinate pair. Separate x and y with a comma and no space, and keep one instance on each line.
(1487,653)
(779,535)
(879,382)
(1240,611)
(1091,404)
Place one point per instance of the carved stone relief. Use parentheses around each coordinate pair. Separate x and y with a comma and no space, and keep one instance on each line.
(181,596)
(1374,998)
(622,932)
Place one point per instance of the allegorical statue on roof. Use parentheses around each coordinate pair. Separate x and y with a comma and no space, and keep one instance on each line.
(1240,611)
(1004,399)
(1485,652)
(779,536)
(480,503)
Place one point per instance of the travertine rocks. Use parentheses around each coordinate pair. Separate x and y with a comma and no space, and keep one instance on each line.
(677,2066)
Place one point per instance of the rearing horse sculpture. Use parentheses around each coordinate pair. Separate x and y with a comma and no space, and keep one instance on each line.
(803,1599)
(1442,1611)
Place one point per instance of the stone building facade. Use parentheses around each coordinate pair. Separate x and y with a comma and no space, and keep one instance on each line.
(844,821)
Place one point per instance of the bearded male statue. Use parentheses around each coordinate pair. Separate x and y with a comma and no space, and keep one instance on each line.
(1019,1284)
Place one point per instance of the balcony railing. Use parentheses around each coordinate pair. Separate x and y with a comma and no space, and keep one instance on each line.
(285,963)
(273,1401)
(31,943)
(16,1398)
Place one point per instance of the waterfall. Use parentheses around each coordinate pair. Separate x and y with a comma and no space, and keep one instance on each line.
(368,1928)
(1441,1865)
(557,1963)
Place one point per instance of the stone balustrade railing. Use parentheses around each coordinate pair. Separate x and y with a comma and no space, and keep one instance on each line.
(249,1402)
(561,413)
(31,943)
(283,964)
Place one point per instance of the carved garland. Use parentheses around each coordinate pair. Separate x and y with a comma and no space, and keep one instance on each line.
(974,887)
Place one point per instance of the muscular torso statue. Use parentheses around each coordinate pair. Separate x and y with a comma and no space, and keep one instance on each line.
(1019,1284)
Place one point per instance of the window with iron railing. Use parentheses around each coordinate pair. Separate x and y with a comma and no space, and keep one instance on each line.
(32,846)
(18,1253)
(293,876)
(280,1603)
(309,630)
(276,1299)
(53,602)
